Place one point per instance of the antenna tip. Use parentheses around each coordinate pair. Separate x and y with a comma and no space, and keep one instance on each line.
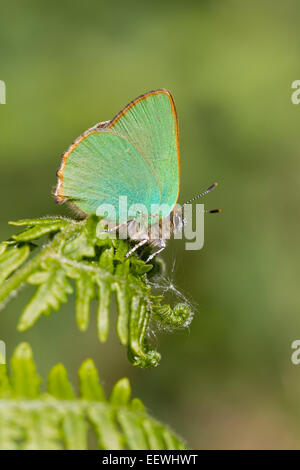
(214,211)
(213,186)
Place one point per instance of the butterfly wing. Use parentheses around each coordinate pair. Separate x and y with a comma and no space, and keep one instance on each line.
(135,154)
(99,170)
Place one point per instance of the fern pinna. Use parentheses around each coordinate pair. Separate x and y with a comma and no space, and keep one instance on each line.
(77,253)
(57,419)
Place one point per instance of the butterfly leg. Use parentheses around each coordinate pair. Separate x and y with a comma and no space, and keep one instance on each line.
(161,248)
(136,247)
(116,227)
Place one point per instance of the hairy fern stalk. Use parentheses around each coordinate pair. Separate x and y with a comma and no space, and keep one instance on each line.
(57,419)
(97,266)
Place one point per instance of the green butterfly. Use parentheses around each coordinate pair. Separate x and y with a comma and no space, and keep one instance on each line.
(136,155)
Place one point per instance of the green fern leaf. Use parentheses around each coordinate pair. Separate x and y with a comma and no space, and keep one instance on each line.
(59,385)
(11,259)
(58,419)
(24,379)
(98,267)
(52,291)
(89,385)
(121,392)
(85,292)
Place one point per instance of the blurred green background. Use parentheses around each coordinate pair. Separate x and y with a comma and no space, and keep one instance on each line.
(228,382)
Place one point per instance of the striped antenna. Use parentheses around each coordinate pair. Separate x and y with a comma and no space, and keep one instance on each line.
(208,190)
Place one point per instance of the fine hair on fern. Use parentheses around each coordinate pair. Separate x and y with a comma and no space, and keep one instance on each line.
(31,419)
(73,255)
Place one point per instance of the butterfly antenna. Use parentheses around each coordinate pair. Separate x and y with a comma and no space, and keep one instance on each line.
(208,190)
(213,211)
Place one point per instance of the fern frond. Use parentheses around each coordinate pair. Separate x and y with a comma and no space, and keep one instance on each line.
(97,267)
(58,419)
